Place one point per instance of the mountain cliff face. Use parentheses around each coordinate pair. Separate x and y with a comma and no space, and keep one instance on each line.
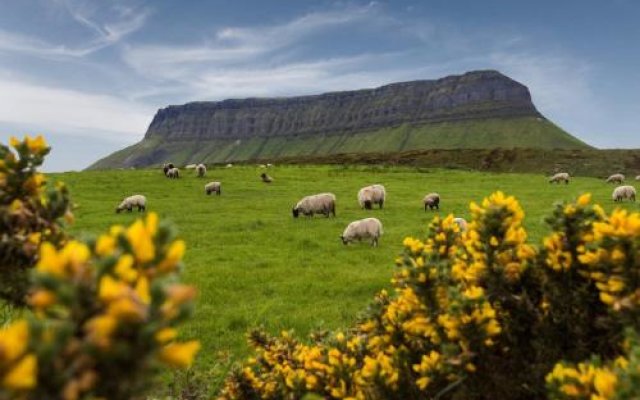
(455,111)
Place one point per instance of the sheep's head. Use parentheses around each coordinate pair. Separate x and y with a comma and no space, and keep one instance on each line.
(344,240)
(295,212)
(118,209)
(367,204)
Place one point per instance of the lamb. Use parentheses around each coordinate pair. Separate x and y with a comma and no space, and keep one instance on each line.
(615,178)
(560,177)
(323,203)
(370,195)
(173,173)
(213,187)
(201,169)
(624,192)
(432,200)
(167,167)
(462,224)
(266,178)
(363,229)
(128,203)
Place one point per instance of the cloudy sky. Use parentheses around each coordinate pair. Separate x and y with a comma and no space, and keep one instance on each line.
(90,74)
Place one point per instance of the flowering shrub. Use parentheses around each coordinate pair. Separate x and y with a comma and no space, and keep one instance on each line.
(104,317)
(29,214)
(102,313)
(478,314)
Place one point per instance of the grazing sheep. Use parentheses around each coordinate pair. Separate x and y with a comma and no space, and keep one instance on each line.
(262,166)
(370,195)
(615,178)
(560,177)
(624,192)
(266,178)
(432,200)
(190,166)
(173,173)
(269,165)
(229,165)
(201,169)
(213,187)
(363,229)
(167,167)
(638,178)
(323,203)
(128,203)
(462,224)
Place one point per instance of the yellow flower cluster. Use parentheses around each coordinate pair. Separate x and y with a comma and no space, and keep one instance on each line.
(584,381)
(495,243)
(29,214)
(18,367)
(118,298)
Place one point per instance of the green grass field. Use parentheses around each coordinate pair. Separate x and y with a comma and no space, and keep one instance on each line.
(254,264)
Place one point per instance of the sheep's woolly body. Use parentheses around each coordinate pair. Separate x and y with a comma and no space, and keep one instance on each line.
(368,228)
(266,178)
(166,167)
(431,201)
(560,177)
(322,203)
(370,195)
(229,165)
(615,178)
(213,187)
(137,200)
(624,193)
(638,178)
(462,224)
(201,169)
(173,173)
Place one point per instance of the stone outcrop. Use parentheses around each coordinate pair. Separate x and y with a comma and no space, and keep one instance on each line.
(479,94)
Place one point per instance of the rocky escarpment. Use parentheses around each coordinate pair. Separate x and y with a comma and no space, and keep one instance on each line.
(481,94)
(476,110)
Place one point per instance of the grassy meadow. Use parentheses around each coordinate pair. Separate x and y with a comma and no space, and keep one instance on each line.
(254,264)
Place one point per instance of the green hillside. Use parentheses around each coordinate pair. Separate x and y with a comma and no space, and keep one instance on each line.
(254,264)
(521,132)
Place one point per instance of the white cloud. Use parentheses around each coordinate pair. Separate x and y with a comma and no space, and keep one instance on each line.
(108,25)
(236,45)
(74,112)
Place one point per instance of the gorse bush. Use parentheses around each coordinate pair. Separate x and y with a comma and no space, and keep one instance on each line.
(480,314)
(103,313)
(29,214)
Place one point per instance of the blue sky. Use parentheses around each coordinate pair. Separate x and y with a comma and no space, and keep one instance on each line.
(90,74)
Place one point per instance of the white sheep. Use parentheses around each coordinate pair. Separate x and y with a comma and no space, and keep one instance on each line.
(462,224)
(201,169)
(432,200)
(173,173)
(166,167)
(213,187)
(269,165)
(266,178)
(190,166)
(615,178)
(137,200)
(624,192)
(370,195)
(229,165)
(322,203)
(638,178)
(261,166)
(363,229)
(560,177)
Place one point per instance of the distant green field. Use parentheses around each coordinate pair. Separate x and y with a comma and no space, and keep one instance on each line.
(254,264)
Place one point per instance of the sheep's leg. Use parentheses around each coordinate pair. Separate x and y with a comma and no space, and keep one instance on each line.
(130,208)
(374,242)
(381,203)
(219,192)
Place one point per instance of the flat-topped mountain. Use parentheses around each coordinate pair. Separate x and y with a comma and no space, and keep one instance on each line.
(480,109)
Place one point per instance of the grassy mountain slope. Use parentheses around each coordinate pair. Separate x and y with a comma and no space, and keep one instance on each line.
(518,132)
